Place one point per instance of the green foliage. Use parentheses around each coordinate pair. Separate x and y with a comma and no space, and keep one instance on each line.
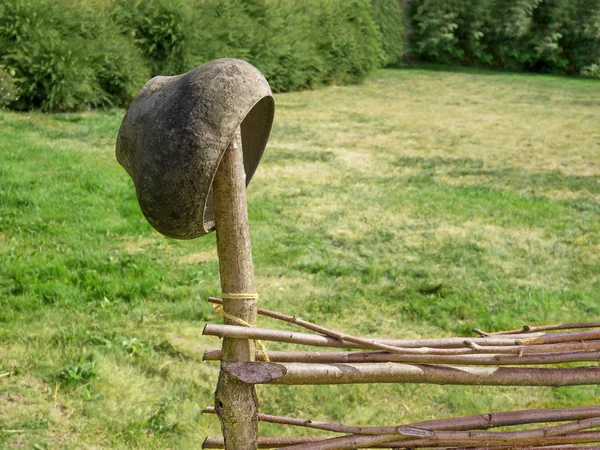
(581,37)
(535,35)
(389,17)
(591,71)
(8,89)
(160,29)
(296,44)
(67,56)
(119,68)
(347,36)
(70,55)
(80,372)
(52,72)
(132,346)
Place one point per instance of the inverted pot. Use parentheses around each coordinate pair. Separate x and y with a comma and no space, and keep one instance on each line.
(176,131)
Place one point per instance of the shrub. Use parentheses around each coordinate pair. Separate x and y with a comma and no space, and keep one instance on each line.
(434,24)
(348,37)
(591,71)
(389,17)
(67,55)
(53,74)
(120,69)
(281,45)
(160,29)
(581,36)
(296,44)
(536,35)
(8,89)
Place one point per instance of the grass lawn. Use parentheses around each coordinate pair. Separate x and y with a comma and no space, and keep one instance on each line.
(422,203)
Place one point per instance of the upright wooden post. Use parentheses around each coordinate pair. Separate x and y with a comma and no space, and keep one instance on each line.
(236,402)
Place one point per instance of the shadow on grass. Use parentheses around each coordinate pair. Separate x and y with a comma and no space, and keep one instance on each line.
(499,176)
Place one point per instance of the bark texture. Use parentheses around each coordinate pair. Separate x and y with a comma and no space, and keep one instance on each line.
(365,357)
(351,373)
(236,402)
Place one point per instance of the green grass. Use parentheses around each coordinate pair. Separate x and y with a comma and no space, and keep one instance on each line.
(422,203)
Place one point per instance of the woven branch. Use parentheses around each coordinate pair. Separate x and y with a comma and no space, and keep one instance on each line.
(314,374)
(364,357)
(476,422)
(529,345)
(535,338)
(414,346)
(545,447)
(357,442)
(536,329)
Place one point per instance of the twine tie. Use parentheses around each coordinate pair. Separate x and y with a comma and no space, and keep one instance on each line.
(219,311)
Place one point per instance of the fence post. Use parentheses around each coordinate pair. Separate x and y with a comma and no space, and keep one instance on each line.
(236,402)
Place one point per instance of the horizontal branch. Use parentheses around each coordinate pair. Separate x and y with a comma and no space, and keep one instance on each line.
(325,426)
(360,341)
(313,374)
(540,348)
(508,436)
(448,345)
(265,442)
(545,447)
(539,338)
(364,357)
(317,443)
(429,437)
(582,437)
(476,422)
(539,328)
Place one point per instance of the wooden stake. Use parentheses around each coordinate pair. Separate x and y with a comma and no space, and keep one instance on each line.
(236,402)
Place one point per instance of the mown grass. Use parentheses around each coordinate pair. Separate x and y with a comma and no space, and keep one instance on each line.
(422,203)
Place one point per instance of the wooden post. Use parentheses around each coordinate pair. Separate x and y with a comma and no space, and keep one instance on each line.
(236,402)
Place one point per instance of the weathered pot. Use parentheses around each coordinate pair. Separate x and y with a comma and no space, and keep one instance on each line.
(176,131)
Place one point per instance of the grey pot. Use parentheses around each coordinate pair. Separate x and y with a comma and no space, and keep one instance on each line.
(176,131)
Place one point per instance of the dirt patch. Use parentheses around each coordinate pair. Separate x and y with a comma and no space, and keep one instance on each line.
(195,258)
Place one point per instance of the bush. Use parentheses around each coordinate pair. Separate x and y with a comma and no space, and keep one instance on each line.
(160,29)
(389,17)
(72,55)
(67,56)
(276,38)
(297,44)
(591,71)
(347,35)
(8,89)
(535,35)
(581,36)
(120,69)
(53,75)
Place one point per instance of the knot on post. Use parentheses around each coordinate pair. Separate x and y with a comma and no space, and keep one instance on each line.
(219,311)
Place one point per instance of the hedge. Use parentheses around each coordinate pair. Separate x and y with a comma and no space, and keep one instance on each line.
(66,56)
(560,36)
(69,55)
